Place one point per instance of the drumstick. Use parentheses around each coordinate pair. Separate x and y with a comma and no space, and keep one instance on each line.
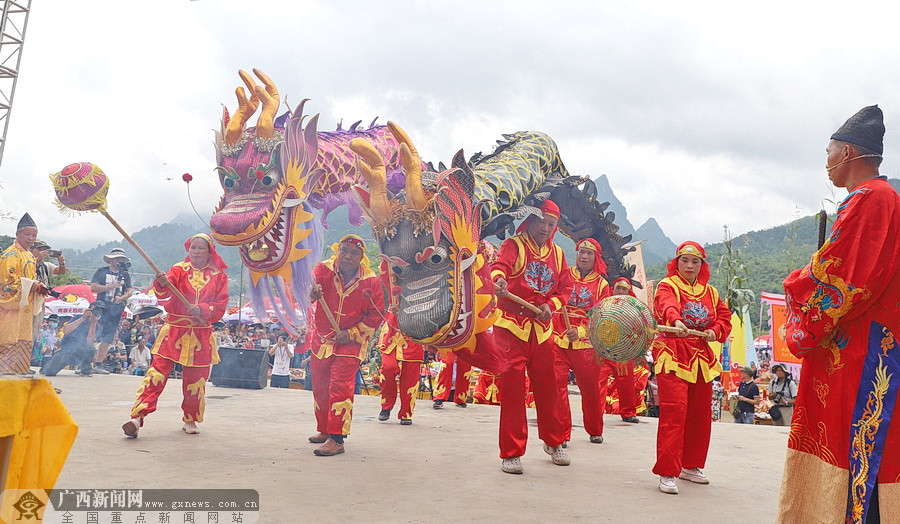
(673,329)
(565,313)
(524,303)
(321,301)
(328,314)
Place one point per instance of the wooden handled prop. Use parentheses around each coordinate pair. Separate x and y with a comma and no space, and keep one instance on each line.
(673,329)
(83,186)
(524,303)
(331,320)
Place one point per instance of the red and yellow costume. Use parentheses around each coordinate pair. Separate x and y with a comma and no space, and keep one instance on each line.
(399,356)
(357,307)
(539,275)
(623,396)
(844,322)
(625,388)
(186,339)
(686,366)
(445,381)
(487,389)
(578,355)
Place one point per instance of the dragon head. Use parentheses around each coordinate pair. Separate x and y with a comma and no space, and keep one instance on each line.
(266,173)
(430,238)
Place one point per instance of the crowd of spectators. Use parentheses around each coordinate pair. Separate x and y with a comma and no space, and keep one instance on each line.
(134,339)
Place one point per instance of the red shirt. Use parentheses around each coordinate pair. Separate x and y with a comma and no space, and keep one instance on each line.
(537,274)
(186,339)
(357,306)
(586,291)
(700,308)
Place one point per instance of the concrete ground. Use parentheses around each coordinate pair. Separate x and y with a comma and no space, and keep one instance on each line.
(443,468)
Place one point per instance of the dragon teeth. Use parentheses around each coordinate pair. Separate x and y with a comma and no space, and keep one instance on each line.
(421,295)
(419,308)
(425,282)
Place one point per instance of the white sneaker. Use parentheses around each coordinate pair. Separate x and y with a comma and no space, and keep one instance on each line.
(668,485)
(558,455)
(694,475)
(513,465)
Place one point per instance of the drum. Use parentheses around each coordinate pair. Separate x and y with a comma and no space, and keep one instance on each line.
(621,328)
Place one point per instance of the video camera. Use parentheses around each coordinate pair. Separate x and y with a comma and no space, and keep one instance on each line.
(98,307)
(123,266)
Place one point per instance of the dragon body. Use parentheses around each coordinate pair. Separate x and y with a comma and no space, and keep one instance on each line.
(281,179)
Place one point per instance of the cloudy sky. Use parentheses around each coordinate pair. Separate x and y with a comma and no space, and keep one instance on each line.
(700,116)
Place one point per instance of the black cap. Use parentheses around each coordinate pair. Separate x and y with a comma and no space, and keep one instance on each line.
(25,221)
(865,128)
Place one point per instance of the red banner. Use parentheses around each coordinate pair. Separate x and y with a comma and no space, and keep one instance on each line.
(780,351)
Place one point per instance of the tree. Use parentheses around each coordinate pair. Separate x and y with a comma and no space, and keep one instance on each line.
(736,296)
(65,279)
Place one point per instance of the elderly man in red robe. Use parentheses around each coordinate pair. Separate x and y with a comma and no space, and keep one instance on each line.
(686,365)
(400,357)
(349,307)
(843,458)
(187,337)
(570,326)
(533,268)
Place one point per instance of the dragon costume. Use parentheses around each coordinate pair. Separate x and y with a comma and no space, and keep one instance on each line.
(431,232)
(280,181)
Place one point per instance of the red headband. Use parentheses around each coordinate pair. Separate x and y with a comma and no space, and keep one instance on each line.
(548,208)
(690,248)
(356,241)
(214,257)
(599,263)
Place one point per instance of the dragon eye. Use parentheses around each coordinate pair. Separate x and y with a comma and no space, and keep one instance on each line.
(228,183)
(398,270)
(270,179)
(437,256)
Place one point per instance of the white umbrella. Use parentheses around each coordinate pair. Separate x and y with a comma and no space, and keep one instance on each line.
(245,315)
(67,308)
(139,300)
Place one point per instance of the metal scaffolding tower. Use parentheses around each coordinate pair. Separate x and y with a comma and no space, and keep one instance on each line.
(12,38)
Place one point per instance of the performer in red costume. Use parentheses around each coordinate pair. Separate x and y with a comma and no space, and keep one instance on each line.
(347,289)
(571,337)
(843,457)
(187,336)
(685,366)
(399,356)
(623,372)
(451,365)
(533,268)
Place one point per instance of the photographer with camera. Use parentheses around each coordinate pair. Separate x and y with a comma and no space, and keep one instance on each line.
(783,392)
(76,347)
(113,287)
(44,269)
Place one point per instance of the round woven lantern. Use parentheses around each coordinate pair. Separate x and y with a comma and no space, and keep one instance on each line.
(81,186)
(621,328)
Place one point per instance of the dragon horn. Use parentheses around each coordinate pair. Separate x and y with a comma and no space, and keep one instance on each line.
(245,109)
(265,125)
(371,165)
(412,166)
